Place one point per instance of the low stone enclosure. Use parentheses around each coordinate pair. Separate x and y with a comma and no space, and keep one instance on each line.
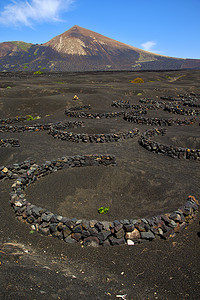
(88,232)
(149,104)
(86,115)
(80,107)
(41,127)
(172,151)
(131,117)
(123,104)
(93,138)
(93,232)
(13,120)
(186,100)
(177,109)
(9,143)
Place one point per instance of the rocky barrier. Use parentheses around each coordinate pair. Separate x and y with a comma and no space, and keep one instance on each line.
(187,100)
(40,127)
(73,108)
(93,138)
(172,151)
(9,143)
(13,120)
(171,98)
(151,104)
(177,109)
(191,104)
(122,103)
(138,109)
(86,115)
(131,117)
(88,232)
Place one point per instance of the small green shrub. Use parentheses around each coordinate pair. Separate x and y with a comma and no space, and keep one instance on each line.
(38,72)
(103,210)
(31,118)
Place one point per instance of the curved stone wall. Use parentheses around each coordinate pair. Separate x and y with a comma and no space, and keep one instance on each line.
(152,104)
(121,103)
(86,115)
(88,232)
(80,107)
(172,151)
(13,120)
(186,100)
(41,127)
(177,109)
(9,143)
(131,117)
(149,104)
(93,138)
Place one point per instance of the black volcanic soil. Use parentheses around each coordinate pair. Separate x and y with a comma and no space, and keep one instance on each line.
(142,184)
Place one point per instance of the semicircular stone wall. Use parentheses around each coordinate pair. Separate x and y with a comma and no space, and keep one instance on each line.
(88,232)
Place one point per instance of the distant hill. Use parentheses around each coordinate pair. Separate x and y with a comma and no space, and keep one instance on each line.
(80,49)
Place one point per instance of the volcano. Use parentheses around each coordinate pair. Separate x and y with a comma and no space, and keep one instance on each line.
(80,49)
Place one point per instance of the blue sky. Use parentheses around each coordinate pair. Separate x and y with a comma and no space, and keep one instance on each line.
(167,27)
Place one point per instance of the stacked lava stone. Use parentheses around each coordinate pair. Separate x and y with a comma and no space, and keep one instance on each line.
(9,143)
(138,109)
(80,107)
(93,138)
(172,151)
(177,109)
(151,104)
(130,117)
(13,120)
(40,127)
(86,115)
(122,104)
(88,232)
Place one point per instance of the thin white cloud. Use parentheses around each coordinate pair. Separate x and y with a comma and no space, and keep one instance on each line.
(28,12)
(148,45)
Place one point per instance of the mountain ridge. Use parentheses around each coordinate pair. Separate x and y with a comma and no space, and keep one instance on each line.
(80,49)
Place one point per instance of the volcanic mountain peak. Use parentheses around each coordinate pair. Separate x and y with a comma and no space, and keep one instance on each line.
(81,41)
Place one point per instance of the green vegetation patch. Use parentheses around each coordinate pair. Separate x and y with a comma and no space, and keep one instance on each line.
(22,45)
(36,52)
(38,72)
(103,210)
(31,118)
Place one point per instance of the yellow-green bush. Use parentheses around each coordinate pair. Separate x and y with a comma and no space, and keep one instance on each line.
(137,80)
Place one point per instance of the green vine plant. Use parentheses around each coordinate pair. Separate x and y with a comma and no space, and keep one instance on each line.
(103,210)
(31,118)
